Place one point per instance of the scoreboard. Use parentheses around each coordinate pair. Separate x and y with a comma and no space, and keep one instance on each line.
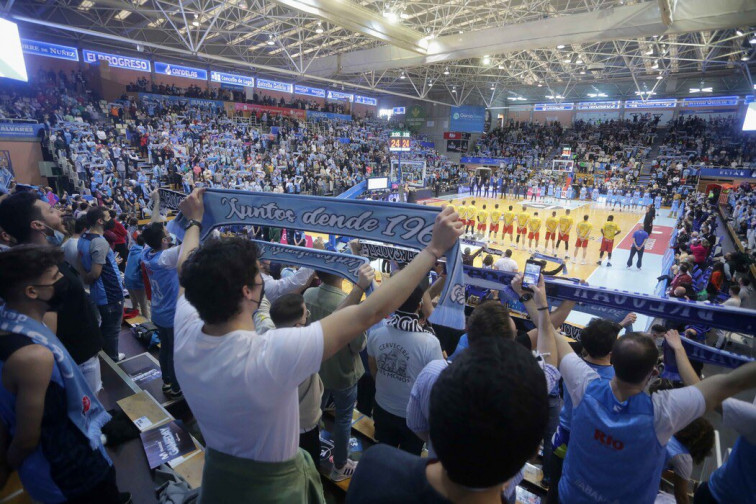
(399,141)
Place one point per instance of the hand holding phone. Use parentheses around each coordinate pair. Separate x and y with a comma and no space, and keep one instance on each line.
(532,273)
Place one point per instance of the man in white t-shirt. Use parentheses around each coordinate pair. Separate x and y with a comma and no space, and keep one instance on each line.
(506,263)
(619,433)
(241,386)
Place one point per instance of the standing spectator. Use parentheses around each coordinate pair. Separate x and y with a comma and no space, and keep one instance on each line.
(100,271)
(648,219)
(133,279)
(640,237)
(397,352)
(341,372)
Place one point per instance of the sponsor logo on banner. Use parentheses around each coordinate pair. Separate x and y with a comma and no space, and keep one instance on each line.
(467,118)
(714,101)
(20,130)
(116,61)
(365,100)
(398,111)
(180,71)
(647,104)
(309,91)
(270,85)
(290,112)
(727,173)
(50,50)
(233,79)
(339,96)
(603,105)
(552,107)
(317,116)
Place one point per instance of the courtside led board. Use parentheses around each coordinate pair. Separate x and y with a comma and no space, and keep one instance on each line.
(399,141)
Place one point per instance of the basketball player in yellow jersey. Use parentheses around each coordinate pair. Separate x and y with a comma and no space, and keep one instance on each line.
(495,218)
(508,217)
(535,227)
(609,231)
(551,226)
(522,227)
(482,221)
(470,218)
(583,233)
(565,224)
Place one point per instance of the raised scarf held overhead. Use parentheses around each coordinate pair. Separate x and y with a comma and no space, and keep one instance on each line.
(344,265)
(83,407)
(397,223)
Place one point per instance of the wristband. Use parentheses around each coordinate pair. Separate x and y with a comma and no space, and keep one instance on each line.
(542,308)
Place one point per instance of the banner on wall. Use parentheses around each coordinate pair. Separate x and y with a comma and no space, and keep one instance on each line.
(180,71)
(270,85)
(467,118)
(195,102)
(651,104)
(309,91)
(713,101)
(602,105)
(414,118)
(339,96)
(727,173)
(251,107)
(553,107)
(484,160)
(116,60)
(20,130)
(457,145)
(365,100)
(232,79)
(37,47)
(314,115)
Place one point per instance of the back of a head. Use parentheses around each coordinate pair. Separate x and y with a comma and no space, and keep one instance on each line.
(489,319)
(329,278)
(17,211)
(287,310)
(488,411)
(634,356)
(598,337)
(153,235)
(698,438)
(508,253)
(413,301)
(213,277)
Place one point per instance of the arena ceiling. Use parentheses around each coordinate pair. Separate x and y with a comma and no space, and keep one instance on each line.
(492,52)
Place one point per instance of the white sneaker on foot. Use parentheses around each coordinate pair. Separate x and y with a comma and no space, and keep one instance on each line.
(574,261)
(582,262)
(121,356)
(345,472)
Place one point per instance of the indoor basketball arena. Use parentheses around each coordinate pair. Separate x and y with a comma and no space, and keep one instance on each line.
(377,252)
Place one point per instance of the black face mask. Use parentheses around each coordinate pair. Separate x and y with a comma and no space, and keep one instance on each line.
(60,289)
(109,225)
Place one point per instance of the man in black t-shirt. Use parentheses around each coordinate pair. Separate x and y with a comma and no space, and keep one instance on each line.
(31,220)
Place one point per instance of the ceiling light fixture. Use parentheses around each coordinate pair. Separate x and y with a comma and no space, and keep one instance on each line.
(582,72)
(486,60)
(540,85)
(578,62)
(560,46)
(650,52)
(319,29)
(566,60)
(461,32)
(739,32)
(390,16)
(195,23)
(446,71)
(402,76)
(659,77)
(270,40)
(745,57)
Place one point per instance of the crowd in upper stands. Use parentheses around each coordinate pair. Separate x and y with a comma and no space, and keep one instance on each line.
(258,353)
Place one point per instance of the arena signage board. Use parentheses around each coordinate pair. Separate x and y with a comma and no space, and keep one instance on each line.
(552,107)
(748,99)
(714,101)
(398,111)
(365,100)
(467,118)
(317,115)
(649,104)
(116,61)
(727,173)
(339,96)
(483,160)
(601,105)
(233,79)
(50,50)
(180,71)
(270,85)
(20,130)
(309,91)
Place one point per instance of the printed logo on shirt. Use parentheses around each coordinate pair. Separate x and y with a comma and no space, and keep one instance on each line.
(608,441)
(393,360)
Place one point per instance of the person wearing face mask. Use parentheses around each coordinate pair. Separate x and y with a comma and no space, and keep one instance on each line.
(99,269)
(160,260)
(50,420)
(29,220)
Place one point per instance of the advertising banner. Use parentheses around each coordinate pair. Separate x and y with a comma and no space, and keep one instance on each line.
(251,107)
(180,71)
(713,101)
(232,79)
(467,118)
(309,91)
(116,61)
(314,115)
(602,105)
(552,107)
(365,100)
(650,104)
(20,130)
(339,96)
(50,50)
(270,85)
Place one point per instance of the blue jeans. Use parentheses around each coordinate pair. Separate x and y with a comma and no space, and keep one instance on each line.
(344,400)
(111,316)
(166,357)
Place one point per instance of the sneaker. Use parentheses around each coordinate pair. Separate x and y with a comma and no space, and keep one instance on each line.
(121,356)
(345,472)
(583,262)
(629,267)
(598,262)
(608,263)
(639,268)
(574,261)
(174,394)
(167,387)
(124,498)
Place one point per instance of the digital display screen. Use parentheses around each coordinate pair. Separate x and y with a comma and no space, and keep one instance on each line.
(532,272)
(399,141)
(12,65)
(749,124)
(377,183)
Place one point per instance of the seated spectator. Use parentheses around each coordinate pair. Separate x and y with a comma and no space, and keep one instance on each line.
(506,263)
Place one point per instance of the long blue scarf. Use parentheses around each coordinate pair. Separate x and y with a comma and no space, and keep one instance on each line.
(722,317)
(84,409)
(397,223)
(700,352)
(343,265)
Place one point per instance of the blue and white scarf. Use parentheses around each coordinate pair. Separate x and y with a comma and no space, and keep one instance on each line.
(343,265)
(84,409)
(397,223)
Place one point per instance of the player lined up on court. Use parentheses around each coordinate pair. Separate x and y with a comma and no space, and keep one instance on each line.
(482,216)
(608,232)
(583,230)
(495,218)
(522,227)
(565,225)
(508,217)
(534,227)
(551,226)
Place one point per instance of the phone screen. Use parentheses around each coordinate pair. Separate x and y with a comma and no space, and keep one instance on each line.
(532,272)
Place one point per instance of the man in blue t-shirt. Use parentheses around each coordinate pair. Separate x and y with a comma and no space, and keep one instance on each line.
(640,237)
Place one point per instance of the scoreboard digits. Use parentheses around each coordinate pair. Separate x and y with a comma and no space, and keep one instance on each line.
(399,141)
